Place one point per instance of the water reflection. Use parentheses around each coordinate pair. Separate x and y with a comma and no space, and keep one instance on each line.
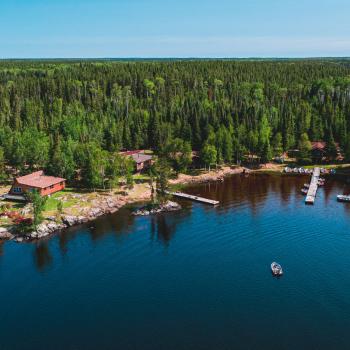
(163,227)
(238,192)
(42,256)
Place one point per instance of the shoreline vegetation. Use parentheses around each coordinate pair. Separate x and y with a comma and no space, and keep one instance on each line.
(83,206)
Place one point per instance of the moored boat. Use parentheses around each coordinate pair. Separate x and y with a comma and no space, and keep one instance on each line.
(304,191)
(276,269)
(321,181)
(343,198)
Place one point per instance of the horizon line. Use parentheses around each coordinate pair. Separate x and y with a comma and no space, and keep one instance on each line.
(175,58)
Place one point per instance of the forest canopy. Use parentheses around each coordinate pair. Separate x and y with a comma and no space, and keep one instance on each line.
(64,115)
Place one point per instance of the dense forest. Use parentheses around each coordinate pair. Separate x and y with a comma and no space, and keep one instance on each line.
(64,116)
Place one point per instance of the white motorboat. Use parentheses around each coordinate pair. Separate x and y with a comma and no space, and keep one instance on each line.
(343,198)
(276,269)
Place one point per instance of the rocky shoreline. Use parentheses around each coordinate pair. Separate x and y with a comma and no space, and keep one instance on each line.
(212,176)
(108,205)
(53,225)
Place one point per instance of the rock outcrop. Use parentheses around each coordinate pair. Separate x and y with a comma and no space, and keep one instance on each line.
(166,207)
(5,234)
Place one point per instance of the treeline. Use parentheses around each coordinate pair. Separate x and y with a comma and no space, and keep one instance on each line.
(64,116)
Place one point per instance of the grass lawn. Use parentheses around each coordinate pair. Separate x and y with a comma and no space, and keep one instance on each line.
(141,177)
(53,200)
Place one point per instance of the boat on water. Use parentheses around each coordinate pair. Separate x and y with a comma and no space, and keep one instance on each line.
(321,182)
(304,190)
(276,269)
(343,198)
(306,185)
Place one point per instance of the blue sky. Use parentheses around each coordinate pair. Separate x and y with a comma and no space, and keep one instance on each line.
(179,28)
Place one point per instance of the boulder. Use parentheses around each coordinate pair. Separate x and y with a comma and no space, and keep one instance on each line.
(95,212)
(5,234)
(69,220)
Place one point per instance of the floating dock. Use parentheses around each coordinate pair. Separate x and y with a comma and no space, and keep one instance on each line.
(311,193)
(194,198)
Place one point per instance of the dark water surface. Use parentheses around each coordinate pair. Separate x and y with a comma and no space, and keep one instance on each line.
(195,279)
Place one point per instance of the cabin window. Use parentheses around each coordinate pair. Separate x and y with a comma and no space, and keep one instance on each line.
(17,189)
(52,186)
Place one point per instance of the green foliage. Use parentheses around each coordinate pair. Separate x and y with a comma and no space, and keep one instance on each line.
(2,165)
(209,155)
(113,170)
(59,207)
(38,202)
(178,153)
(69,116)
(163,172)
(128,168)
(93,160)
(277,145)
(304,146)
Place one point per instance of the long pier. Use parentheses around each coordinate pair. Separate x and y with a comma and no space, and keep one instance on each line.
(194,198)
(311,193)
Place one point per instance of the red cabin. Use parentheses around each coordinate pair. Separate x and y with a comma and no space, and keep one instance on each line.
(45,185)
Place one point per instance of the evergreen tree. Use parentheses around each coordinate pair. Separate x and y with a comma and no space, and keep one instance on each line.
(304,146)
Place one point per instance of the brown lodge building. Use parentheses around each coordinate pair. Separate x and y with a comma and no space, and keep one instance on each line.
(38,181)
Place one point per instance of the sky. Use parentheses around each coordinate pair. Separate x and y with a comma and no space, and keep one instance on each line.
(178,28)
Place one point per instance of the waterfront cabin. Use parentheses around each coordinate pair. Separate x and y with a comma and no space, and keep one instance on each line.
(45,185)
(319,152)
(142,160)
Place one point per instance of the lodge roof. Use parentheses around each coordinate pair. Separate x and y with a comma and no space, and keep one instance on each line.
(318,145)
(38,180)
(321,145)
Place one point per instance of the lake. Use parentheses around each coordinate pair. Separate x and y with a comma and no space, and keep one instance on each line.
(195,279)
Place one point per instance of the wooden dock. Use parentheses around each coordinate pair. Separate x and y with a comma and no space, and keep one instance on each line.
(194,198)
(311,194)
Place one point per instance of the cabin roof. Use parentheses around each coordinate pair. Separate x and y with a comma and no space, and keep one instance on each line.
(141,157)
(318,145)
(321,145)
(38,180)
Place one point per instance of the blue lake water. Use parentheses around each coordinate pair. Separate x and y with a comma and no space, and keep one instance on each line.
(195,279)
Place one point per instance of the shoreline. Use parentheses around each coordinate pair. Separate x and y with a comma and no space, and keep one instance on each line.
(106,203)
(213,175)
